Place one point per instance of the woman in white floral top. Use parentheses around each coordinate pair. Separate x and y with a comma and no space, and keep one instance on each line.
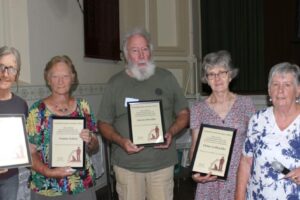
(274,137)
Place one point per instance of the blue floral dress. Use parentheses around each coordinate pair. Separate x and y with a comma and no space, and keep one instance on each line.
(266,143)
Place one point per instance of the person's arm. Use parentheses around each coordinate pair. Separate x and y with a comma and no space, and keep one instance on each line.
(243,177)
(89,134)
(91,140)
(195,133)
(93,145)
(109,133)
(181,122)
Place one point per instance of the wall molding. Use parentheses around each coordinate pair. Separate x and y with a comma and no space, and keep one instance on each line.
(34,92)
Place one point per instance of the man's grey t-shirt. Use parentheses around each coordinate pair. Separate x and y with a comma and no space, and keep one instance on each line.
(161,86)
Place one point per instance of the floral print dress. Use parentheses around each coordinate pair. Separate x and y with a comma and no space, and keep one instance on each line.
(38,126)
(266,143)
(238,118)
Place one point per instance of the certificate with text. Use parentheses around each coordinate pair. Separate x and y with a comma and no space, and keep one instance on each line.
(146,122)
(14,146)
(67,149)
(213,150)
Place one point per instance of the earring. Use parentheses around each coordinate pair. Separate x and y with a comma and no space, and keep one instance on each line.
(270,99)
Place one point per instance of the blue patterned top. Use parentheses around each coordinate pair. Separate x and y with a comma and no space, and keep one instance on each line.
(266,143)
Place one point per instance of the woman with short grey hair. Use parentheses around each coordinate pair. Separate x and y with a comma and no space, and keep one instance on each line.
(10,103)
(225,109)
(285,68)
(270,164)
(219,58)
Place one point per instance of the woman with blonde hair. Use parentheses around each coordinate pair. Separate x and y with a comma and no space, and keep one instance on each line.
(60,182)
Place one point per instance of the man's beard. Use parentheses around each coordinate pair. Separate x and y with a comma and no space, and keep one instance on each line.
(141,73)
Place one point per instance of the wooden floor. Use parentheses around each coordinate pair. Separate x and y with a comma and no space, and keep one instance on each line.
(184,188)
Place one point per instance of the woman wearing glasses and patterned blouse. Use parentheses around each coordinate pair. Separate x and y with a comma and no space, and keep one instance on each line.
(221,108)
(10,63)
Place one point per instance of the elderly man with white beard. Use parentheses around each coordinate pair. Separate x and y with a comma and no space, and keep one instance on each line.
(142,172)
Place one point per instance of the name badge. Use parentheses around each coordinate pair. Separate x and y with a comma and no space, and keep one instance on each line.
(128,100)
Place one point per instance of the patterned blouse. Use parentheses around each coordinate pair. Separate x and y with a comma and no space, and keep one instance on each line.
(266,143)
(238,118)
(38,127)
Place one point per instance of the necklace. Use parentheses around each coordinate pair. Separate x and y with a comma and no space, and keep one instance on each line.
(61,109)
(62,106)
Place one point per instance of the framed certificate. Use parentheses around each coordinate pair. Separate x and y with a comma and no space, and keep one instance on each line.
(67,149)
(14,146)
(146,123)
(213,150)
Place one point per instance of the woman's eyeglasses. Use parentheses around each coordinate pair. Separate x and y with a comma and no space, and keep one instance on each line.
(211,76)
(10,70)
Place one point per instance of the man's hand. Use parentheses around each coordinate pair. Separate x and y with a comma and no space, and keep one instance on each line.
(168,142)
(129,147)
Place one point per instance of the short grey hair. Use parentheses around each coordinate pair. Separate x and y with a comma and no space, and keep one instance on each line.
(5,50)
(213,59)
(137,31)
(285,68)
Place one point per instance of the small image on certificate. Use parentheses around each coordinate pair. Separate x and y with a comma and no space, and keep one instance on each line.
(213,150)
(14,146)
(146,124)
(67,149)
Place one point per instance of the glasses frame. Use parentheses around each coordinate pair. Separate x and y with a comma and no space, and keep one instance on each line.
(12,71)
(212,76)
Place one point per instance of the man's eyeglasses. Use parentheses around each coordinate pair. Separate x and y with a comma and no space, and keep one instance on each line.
(10,70)
(211,76)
